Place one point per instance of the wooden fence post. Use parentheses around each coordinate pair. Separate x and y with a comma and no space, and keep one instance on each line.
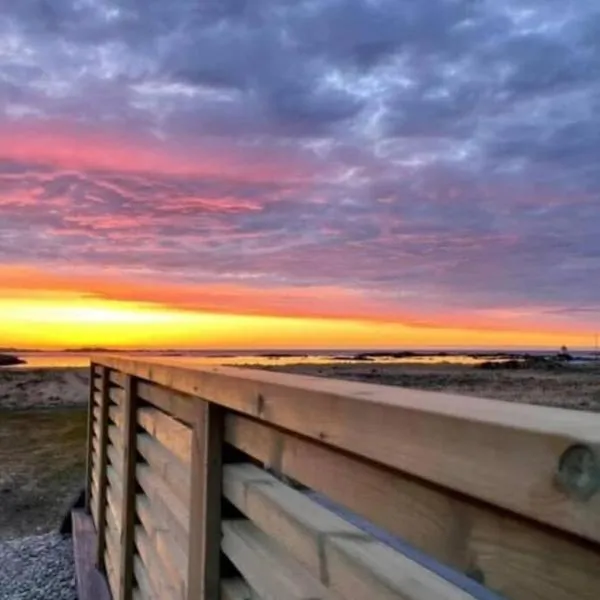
(204,554)
(102,463)
(90,447)
(129,487)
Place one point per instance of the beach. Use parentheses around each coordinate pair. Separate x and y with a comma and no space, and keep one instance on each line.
(43,421)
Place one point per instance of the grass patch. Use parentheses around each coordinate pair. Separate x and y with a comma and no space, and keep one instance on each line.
(42,466)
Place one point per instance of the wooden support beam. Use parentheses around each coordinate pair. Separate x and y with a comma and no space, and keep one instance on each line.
(204,555)
(102,462)
(129,488)
(90,435)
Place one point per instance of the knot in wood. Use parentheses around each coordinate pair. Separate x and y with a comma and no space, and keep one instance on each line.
(579,471)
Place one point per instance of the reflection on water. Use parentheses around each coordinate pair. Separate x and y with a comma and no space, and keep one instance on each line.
(44,360)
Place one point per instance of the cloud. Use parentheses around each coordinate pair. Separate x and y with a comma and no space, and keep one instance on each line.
(437,156)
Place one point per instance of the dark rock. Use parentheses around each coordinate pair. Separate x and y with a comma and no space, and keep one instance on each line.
(8,360)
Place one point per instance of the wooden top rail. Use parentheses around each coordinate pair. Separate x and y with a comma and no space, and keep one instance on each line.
(508,494)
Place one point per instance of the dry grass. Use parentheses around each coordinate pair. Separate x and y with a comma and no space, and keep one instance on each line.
(42,467)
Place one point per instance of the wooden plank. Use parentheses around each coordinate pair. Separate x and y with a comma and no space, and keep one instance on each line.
(179,406)
(477,447)
(115,482)
(237,589)
(113,549)
(204,557)
(117,396)
(174,512)
(174,436)
(113,514)
(102,463)
(116,437)
(515,557)
(266,566)
(164,586)
(167,465)
(344,558)
(117,416)
(129,488)
(111,574)
(118,378)
(90,583)
(142,579)
(172,556)
(90,435)
(116,460)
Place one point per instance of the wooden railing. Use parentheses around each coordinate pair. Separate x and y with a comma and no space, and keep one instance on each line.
(192,487)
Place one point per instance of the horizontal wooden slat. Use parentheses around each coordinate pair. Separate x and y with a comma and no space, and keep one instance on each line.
(116,395)
(116,460)
(112,576)
(167,466)
(237,589)
(115,414)
(172,557)
(95,445)
(478,447)
(317,538)
(163,585)
(173,512)
(113,513)
(142,579)
(117,378)
(179,406)
(115,436)
(266,566)
(516,557)
(174,436)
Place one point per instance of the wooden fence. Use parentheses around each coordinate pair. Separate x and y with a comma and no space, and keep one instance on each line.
(184,500)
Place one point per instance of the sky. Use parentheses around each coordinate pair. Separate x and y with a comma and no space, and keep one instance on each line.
(320,173)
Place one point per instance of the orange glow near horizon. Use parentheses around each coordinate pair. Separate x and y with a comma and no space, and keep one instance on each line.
(55,323)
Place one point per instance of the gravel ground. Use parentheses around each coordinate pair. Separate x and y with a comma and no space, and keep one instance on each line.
(37,568)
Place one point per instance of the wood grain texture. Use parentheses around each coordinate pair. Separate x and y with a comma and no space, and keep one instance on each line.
(159,578)
(130,409)
(516,558)
(204,556)
(266,567)
(237,589)
(341,556)
(171,555)
(477,447)
(143,581)
(117,396)
(168,466)
(91,585)
(116,416)
(118,378)
(173,510)
(115,435)
(174,436)
(178,406)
